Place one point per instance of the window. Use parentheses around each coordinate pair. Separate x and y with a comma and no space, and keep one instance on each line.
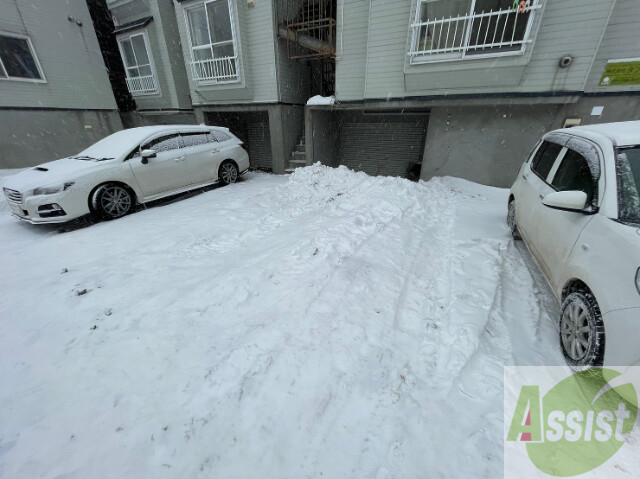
(213,43)
(218,135)
(195,139)
(18,60)
(628,175)
(141,79)
(545,158)
(454,29)
(164,143)
(574,175)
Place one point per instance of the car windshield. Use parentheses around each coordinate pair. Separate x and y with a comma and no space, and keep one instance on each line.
(112,146)
(628,173)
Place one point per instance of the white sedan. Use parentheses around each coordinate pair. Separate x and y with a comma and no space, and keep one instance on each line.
(576,204)
(131,166)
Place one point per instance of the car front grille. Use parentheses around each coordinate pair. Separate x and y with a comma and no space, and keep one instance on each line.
(13,195)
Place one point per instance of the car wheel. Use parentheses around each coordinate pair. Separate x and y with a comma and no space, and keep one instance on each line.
(111,201)
(228,172)
(582,330)
(511,220)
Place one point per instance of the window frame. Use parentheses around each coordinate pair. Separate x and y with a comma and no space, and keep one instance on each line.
(558,164)
(210,138)
(417,58)
(32,50)
(151,63)
(234,35)
(554,166)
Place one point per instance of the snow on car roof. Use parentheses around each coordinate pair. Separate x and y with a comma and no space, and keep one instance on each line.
(623,133)
(124,141)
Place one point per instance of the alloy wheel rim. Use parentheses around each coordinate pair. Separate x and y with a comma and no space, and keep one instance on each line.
(575,331)
(229,173)
(116,201)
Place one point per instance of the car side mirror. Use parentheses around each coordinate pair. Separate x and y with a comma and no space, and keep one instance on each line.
(566,200)
(146,154)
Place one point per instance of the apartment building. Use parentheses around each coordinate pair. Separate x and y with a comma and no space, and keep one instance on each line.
(466,87)
(55,94)
(146,32)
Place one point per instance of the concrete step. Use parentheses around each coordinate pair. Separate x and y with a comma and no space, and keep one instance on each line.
(298,155)
(288,171)
(300,148)
(293,164)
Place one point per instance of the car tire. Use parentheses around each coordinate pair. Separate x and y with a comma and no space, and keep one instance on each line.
(228,172)
(111,201)
(581,333)
(511,220)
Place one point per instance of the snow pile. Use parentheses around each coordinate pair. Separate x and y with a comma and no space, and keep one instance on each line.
(327,324)
(321,100)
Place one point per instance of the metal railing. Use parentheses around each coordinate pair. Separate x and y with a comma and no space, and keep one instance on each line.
(502,31)
(142,85)
(215,70)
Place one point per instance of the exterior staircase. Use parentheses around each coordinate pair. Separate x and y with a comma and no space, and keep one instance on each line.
(298,157)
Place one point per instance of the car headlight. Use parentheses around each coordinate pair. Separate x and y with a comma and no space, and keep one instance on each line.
(52,190)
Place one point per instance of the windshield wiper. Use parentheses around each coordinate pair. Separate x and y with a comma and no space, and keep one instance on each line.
(91,158)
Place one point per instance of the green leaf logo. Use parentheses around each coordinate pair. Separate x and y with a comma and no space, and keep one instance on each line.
(585,419)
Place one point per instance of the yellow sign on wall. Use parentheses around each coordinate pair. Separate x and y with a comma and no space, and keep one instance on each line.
(621,72)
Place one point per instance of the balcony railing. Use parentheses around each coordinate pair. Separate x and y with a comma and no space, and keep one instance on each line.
(501,32)
(217,70)
(142,85)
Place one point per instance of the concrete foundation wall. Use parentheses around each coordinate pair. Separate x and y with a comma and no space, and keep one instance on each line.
(487,144)
(133,119)
(30,137)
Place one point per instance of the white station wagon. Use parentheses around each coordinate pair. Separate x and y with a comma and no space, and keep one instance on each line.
(131,166)
(576,204)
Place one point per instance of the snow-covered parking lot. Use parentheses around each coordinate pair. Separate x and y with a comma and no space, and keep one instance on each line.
(327,324)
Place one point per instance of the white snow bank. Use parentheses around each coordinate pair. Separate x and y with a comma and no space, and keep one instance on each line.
(329,324)
(321,100)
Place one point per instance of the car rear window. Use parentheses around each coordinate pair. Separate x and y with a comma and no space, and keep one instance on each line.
(628,176)
(544,159)
(220,136)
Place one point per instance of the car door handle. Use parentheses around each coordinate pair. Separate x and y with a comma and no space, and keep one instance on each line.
(542,197)
(182,158)
(215,150)
(524,177)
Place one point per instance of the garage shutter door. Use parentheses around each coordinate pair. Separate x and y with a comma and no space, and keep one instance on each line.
(260,144)
(382,148)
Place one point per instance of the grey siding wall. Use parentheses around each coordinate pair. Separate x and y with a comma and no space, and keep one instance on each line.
(621,40)
(174,62)
(254,28)
(164,43)
(294,76)
(376,64)
(69,55)
(352,34)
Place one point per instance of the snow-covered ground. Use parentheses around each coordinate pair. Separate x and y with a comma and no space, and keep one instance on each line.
(327,324)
